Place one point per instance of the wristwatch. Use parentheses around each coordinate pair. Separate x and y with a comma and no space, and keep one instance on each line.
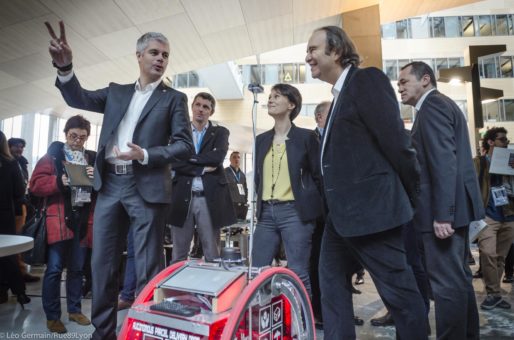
(63,68)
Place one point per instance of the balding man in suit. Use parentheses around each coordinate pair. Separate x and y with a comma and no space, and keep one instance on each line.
(449,199)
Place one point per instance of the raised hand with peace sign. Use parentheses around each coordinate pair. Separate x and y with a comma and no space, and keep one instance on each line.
(59,49)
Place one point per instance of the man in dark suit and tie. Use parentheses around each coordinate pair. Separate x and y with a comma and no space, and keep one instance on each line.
(201,196)
(145,128)
(449,199)
(370,176)
(237,185)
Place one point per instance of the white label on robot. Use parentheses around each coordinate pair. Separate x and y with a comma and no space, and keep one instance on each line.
(264,319)
(276,333)
(277,313)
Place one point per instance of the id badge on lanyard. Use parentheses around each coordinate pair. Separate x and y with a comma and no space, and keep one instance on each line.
(80,195)
(499,195)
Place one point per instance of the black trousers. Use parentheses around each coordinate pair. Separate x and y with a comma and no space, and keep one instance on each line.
(509,262)
(10,275)
(383,256)
(456,313)
(314,266)
(415,258)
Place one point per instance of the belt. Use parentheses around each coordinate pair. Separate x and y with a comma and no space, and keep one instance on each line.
(120,169)
(198,193)
(276,202)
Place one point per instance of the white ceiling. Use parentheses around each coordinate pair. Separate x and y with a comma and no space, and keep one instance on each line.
(102,34)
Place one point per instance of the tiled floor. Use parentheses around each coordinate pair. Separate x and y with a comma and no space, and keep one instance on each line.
(31,322)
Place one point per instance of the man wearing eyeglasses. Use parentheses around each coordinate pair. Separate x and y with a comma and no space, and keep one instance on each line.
(145,127)
(495,240)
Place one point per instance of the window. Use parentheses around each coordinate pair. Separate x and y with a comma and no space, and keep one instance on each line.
(402,29)
(502,25)
(467,25)
(420,27)
(451,27)
(509,109)
(180,80)
(489,67)
(440,63)
(193,79)
(389,31)
(255,74)
(485,28)
(40,139)
(11,127)
(301,73)
(454,62)
(437,27)
(491,111)
(506,67)
(250,74)
(288,74)
(391,69)
(270,74)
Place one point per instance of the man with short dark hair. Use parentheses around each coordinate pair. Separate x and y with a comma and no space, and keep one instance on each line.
(145,128)
(370,176)
(237,185)
(449,200)
(200,197)
(498,198)
(16,146)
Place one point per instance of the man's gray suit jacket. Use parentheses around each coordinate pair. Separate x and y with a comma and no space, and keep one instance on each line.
(163,129)
(448,185)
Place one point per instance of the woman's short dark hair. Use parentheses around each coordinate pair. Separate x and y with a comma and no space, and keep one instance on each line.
(293,95)
(77,122)
(491,134)
(339,42)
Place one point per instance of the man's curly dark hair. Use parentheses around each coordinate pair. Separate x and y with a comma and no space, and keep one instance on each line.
(491,134)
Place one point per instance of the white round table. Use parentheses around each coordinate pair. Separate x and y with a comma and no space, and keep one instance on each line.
(14,244)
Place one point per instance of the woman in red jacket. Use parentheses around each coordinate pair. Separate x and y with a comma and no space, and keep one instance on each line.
(69,221)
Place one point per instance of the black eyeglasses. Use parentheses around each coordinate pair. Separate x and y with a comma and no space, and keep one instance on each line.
(74,136)
(502,139)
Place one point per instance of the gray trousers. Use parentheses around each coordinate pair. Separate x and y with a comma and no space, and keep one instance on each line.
(119,207)
(281,223)
(198,215)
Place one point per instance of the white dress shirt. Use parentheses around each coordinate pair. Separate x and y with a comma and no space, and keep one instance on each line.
(197,184)
(125,131)
(338,86)
(422,99)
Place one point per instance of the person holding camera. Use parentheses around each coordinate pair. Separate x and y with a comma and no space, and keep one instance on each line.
(69,221)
